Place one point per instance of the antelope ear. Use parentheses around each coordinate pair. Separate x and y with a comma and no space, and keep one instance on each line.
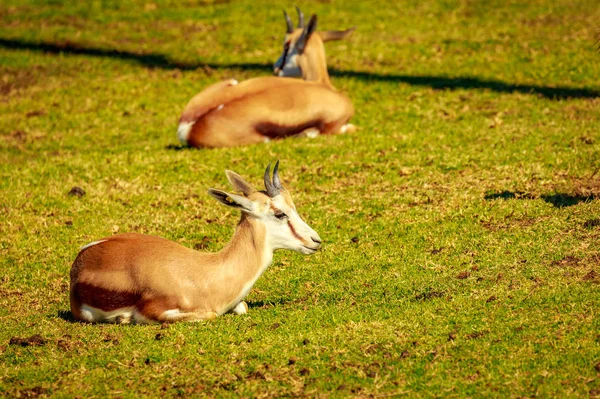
(239,184)
(306,34)
(336,34)
(232,200)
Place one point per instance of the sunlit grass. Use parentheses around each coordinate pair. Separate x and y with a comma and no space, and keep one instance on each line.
(460,222)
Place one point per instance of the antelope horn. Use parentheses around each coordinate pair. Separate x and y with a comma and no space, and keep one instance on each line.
(272,191)
(300,18)
(276,181)
(288,21)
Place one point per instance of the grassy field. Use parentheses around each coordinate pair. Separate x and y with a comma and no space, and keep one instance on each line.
(461,223)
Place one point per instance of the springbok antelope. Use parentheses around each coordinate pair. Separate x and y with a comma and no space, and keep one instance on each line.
(258,110)
(141,279)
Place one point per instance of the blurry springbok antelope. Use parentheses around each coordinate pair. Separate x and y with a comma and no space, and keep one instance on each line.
(258,110)
(141,279)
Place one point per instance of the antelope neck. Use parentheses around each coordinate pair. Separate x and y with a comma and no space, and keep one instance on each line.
(244,260)
(316,66)
(247,252)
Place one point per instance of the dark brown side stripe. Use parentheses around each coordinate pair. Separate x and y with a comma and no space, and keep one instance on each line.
(293,230)
(106,300)
(274,130)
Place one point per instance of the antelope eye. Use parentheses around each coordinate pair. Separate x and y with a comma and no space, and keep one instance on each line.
(280,215)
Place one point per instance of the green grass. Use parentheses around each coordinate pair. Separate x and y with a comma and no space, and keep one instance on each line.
(461,257)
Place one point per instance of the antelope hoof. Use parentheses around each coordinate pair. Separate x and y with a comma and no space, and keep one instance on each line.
(123,319)
(348,128)
(240,308)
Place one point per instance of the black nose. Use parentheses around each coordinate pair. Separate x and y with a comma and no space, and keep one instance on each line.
(317,240)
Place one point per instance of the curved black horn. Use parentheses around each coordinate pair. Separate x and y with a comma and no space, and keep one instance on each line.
(272,191)
(288,21)
(276,181)
(300,18)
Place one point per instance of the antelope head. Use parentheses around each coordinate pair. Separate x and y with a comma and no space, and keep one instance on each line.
(303,51)
(273,208)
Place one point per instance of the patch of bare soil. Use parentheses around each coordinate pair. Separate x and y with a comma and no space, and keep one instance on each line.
(592,277)
(18,135)
(76,192)
(429,294)
(589,224)
(5,293)
(203,244)
(37,112)
(476,334)
(33,392)
(571,261)
(34,340)
(18,79)
(507,223)
(463,275)
(567,261)
(436,251)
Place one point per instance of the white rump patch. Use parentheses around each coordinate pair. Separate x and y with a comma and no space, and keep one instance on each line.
(233,82)
(90,244)
(183,131)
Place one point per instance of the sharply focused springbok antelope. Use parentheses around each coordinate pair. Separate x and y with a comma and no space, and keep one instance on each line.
(257,110)
(140,278)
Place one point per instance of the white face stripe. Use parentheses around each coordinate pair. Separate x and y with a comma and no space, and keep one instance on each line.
(287,63)
(290,232)
(291,68)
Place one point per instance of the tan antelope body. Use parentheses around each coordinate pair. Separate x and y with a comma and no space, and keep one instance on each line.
(257,110)
(139,278)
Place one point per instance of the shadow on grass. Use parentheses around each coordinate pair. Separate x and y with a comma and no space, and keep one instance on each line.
(149,60)
(152,60)
(66,315)
(559,200)
(270,303)
(179,147)
(564,200)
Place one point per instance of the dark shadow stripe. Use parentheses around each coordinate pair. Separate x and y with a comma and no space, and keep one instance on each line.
(152,60)
(558,200)
(149,60)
